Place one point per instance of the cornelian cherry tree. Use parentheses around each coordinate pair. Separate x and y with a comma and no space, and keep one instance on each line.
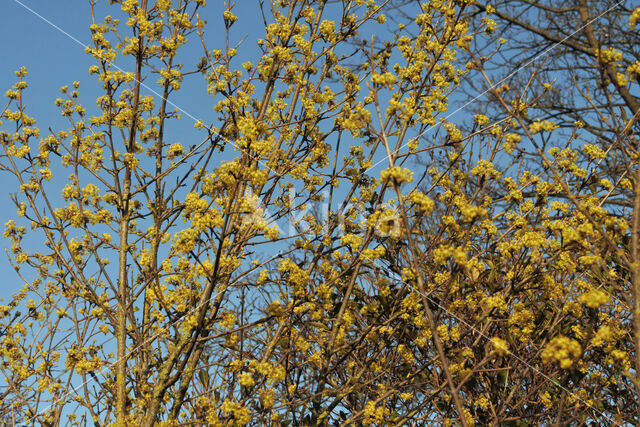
(270,271)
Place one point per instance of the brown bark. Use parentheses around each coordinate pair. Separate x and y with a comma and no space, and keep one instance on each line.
(635,273)
(123,303)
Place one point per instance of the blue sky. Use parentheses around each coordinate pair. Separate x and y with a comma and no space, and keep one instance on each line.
(54,56)
(49,38)
(51,58)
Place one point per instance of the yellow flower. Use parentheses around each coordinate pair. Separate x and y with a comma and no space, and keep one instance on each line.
(397,174)
(633,18)
(594,298)
(229,17)
(246,379)
(545,399)
(481,119)
(327,28)
(609,55)
(482,402)
(594,151)
(500,346)
(563,350)
(604,334)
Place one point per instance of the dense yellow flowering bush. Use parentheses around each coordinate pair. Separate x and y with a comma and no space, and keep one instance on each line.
(333,249)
